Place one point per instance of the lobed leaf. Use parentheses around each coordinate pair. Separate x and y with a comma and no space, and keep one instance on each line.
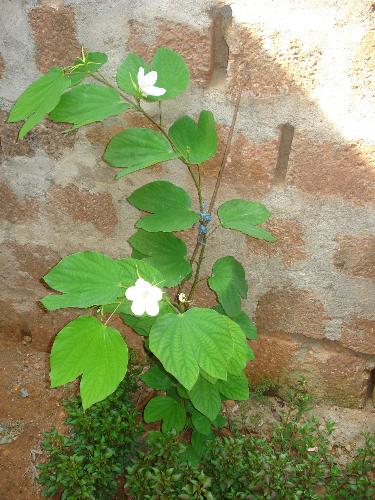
(235,387)
(165,252)
(196,143)
(157,378)
(167,409)
(137,148)
(173,74)
(97,352)
(206,398)
(245,216)
(39,99)
(248,326)
(229,283)
(82,68)
(198,338)
(88,103)
(127,73)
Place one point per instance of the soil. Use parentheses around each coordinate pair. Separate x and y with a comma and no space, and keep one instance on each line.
(29,407)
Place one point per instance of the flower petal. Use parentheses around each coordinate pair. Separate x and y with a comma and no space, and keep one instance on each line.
(150,78)
(138,307)
(152,308)
(155,293)
(132,293)
(155,91)
(141,75)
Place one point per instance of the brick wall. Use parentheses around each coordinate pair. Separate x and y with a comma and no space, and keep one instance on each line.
(308,71)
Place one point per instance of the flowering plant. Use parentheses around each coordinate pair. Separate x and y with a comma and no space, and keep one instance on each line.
(198,354)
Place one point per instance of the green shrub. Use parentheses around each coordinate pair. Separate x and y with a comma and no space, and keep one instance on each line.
(86,464)
(163,471)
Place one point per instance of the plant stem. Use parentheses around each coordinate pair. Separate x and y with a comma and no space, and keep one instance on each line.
(199,263)
(113,312)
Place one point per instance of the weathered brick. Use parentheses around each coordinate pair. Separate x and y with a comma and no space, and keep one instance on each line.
(14,210)
(194,45)
(48,135)
(287,66)
(355,255)
(291,311)
(333,169)
(34,260)
(55,36)
(289,245)
(250,166)
(82,205)
(274,357)
(341,378)
(359,335)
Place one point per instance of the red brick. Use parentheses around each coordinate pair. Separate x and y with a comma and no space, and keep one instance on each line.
(355,255)
(290,311)
(14,210)
(359,335)
(84,206)
(289,245)
(55,36)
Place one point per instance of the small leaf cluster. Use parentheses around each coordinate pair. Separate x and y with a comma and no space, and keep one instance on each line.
(86,463)
(295,461)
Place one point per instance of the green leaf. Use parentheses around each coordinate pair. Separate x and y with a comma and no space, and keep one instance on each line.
(199,442)
(198,338)
(157,378)
(241,351)
(235,387)
(229,283)
(137,148)
(81,68)
(169,204)
(170,411)
(39,99)
(173,74)
(159,196)
(176,220)
(219,422)
(97,352)
(206,398)
(200,422)
(196,143)
(128,71)
(88,103)
(143,324)
(248,326)
(245,216)
(91,278)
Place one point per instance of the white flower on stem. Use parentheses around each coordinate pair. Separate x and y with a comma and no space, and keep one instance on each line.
(146,83)
(144,297)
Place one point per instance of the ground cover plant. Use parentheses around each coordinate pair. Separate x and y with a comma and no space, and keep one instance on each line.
(198,354)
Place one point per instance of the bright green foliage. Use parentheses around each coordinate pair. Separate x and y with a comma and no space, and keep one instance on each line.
(91,278)
(164,471)
(102,441)
(39,99)
(170,206)
(198,338)
(170,411)
(206,398)
(165,252)
(137,148)
(97,352)
(229,283)
(85,65)
(157,378)
(196,143)
(245,216)
(235,387)
(88,103)
(128,71)
(173,74)
(241,352)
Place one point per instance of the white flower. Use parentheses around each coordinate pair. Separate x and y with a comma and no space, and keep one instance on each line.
(145,298)
(146,83)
